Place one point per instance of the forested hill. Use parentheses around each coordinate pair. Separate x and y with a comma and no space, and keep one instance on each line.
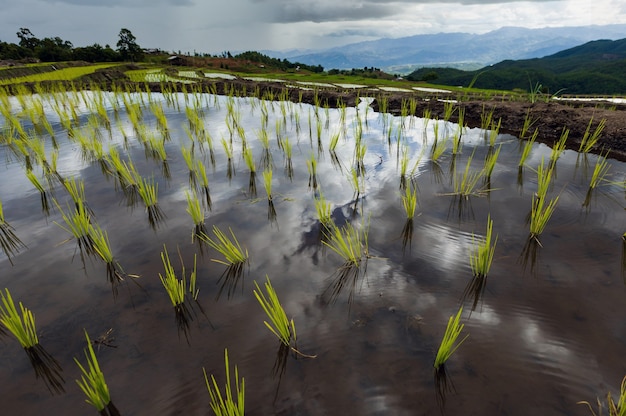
(597,67)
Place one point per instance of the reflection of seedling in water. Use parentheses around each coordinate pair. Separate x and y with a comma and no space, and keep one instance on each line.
(311,165)
(615,409)
(279,325)
(93,384)
(22,325)
(229,404)
(9,242)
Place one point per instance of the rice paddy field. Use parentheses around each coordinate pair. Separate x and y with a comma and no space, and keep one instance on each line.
(156,224)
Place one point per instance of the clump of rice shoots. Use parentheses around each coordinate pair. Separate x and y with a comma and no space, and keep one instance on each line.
(311,164)
(249,159)
(288,150)
(148,191)
(349,242)
(204,183)
(600,170)
(279,325)
(481,258)
(541,208)
(323,209)
(22,325)
(43,193)
(559,147)
(194,209)
(102,247)
(177,290)
(449,342)
(78,224)
(230,248)
(465,184)
(9,242)
(228,404)
(93,384)
(267,182)
(589,140)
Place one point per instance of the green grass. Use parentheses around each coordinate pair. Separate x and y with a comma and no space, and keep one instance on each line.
(323,209)
(92,381)
(409,201)
(449,342)
(615,408)
(65,74)
(589,139)
(228,404)
(174,287)
(21,324)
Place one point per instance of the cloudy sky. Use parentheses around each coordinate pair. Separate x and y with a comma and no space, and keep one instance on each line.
(214,26)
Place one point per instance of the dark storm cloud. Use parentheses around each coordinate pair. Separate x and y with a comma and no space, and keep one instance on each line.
(293,11)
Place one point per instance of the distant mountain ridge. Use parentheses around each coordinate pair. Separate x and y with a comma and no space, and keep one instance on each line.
(457,50)
(596,67)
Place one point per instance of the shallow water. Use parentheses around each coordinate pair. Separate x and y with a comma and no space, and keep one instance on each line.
(545,333)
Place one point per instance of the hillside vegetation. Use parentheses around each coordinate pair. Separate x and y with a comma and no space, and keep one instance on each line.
(593,68)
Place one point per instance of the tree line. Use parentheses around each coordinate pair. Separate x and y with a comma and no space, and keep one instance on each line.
(56,49)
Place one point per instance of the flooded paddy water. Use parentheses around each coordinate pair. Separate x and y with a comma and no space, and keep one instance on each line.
(546,329)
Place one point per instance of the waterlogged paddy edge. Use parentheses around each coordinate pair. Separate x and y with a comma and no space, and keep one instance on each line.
(550,317)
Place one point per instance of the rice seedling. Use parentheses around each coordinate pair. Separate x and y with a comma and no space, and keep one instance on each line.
(559,147)
(486,118)
(589,140)
(465,185)
(194,209)
(279,325)
(409,201)
(148,191)
(350,242)
(449,342)
(355,181)
(439,147)
(230,404)
(481,257)
(93,384)
(540,214)
(528,145)
(494,131)
(43,193)
(600,170)
(615,408)
(102,247)
(228,150)
(490,163)
(323,208)
(334,140)
(360,149)
(78,224)
(191,165)
(22,325)
(528,123)
(203,182)
(249,159)
(9,242)
(231,249)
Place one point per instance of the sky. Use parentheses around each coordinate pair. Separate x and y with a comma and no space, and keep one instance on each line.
(216,26)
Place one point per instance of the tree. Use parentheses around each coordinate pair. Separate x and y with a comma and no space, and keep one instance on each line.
(127,46)
(27,39)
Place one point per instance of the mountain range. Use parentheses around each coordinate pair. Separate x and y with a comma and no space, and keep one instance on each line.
(456,50)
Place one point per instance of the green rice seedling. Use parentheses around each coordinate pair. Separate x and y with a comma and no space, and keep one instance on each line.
(448,110)
(350,242)
(148,191)
(279,325)
(528,123)
(615,408)
(9,242)
(600,170)
(490,163)
(481,257)
(78,224)
(589,140)
(486,118)
(288,151)
(409,201)
(230,248)
(230,404)
(191,166)
(43,193)
(249,159)
(76,190)
(228,150)
(355,181)
(93,384)
(323,208)
(465,184)
(438,148)
(457,141)
(541,211)
(334,140)
(203,182)
(559,147)
(360,149)
(528,145)
(21,324)
(494,131)
(102,247)
(267,182)
(449,342)
(195,211)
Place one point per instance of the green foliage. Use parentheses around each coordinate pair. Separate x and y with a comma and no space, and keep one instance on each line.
(280,325)
(482,255)
(92,381)
(229,248)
